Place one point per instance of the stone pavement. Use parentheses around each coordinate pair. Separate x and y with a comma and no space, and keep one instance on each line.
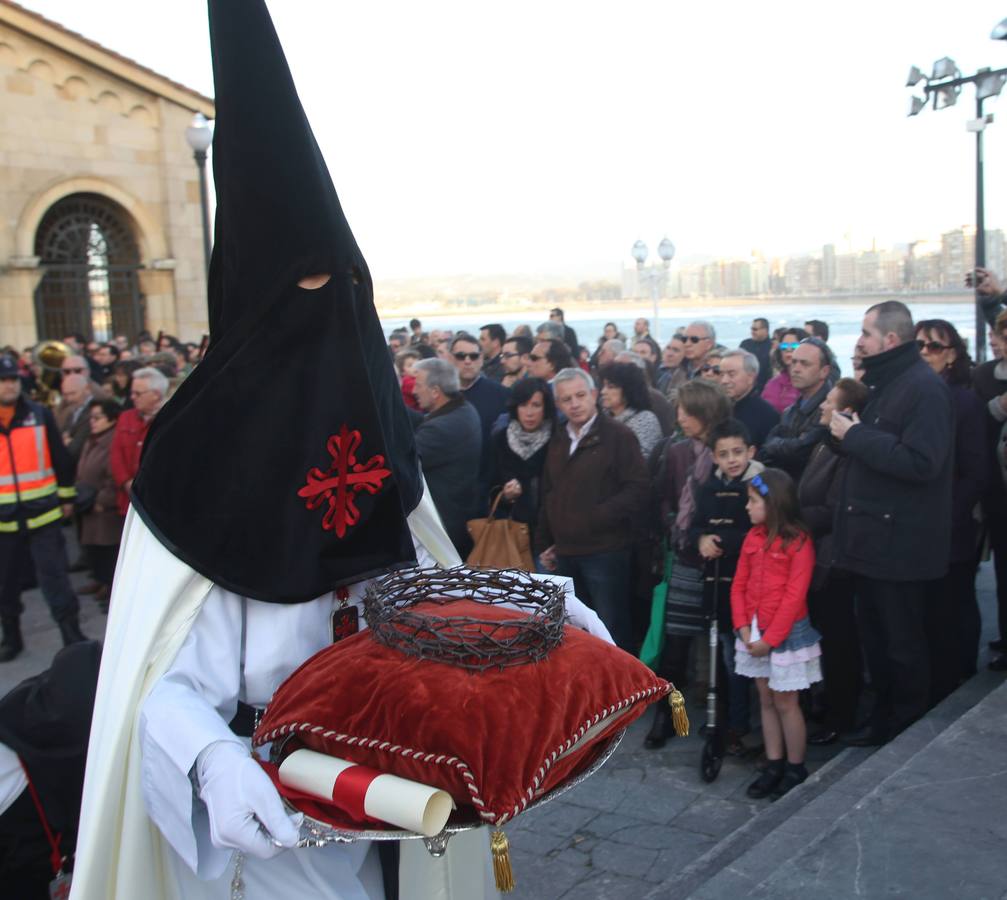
(631,829)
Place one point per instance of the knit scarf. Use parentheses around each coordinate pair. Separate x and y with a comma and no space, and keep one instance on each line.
(525,444)
(701,468)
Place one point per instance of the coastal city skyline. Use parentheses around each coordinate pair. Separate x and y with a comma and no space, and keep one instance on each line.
(463,139)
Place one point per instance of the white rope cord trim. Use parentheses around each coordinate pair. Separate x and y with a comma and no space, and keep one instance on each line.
(440,759)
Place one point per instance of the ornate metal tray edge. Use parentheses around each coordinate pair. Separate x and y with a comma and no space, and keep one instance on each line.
(315,833)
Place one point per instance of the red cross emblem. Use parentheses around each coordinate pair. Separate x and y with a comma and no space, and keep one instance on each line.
(342,481)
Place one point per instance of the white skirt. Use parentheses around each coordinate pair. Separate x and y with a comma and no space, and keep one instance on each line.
(787,668)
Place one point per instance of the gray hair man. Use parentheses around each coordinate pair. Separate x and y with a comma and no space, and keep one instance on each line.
(739,375)
(71,417)
(700,338)
(449,442)
(608,351)
(594,487)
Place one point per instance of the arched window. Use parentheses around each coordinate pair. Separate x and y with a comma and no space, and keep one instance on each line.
(86,246)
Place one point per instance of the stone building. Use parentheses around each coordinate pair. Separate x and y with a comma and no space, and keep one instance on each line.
(99,193)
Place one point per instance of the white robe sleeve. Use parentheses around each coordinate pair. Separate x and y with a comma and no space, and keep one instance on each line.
(13,780)
(187,710)
(578,612)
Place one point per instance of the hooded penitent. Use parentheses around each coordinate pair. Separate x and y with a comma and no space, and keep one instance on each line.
(284,465)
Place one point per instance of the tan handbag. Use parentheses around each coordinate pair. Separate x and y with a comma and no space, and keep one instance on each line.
(500,543)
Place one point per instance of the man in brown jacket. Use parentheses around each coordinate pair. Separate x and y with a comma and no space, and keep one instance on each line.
(594,487)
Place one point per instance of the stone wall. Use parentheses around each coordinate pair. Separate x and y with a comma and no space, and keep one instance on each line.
(68,125)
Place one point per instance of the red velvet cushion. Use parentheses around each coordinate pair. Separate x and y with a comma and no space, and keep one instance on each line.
(495,740)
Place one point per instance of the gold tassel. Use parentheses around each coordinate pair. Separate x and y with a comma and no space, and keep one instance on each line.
(679,717)
(502,871)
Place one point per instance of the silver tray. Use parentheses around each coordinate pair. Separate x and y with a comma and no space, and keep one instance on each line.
(315,833)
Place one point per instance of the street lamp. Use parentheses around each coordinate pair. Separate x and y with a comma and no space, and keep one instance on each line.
(945,84)
(654,277)
(199,137)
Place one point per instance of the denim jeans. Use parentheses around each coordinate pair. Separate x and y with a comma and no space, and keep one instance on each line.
(602,581)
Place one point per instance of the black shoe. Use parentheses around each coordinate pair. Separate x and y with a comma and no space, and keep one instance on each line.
(999,664)
(12,643)
(69,629)
(793,775)
(823,738)
(1000,646)
(865,737)
(766,783)
(661,729)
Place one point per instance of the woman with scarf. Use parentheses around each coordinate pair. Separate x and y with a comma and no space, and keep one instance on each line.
(779,393)
(100,523)
(626,398)
(831,599)
(702,405)
(519,450)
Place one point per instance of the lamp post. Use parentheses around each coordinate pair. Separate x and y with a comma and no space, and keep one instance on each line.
(945,84)
(199,137)
(653,276)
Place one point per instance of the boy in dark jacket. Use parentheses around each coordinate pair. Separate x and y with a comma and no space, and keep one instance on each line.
(718,530)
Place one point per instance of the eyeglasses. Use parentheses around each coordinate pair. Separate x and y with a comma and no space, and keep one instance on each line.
(760,485)
(692,339)
(933,346)
(75,370)
(461,357)
(790,345)
(136,394)
(509,355)
(714,369)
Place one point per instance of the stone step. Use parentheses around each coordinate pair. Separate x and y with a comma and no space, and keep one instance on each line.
(789,835)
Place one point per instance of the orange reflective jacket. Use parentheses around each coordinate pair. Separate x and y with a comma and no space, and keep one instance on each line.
(31,489)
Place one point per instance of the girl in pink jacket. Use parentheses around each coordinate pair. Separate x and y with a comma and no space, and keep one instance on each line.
(776,644)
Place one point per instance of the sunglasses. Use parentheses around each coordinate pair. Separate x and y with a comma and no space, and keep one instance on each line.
(692,339)
(471,357)
(714,369)
(760,485)
(933,346)
(73,371)
(534,357)
(790,345)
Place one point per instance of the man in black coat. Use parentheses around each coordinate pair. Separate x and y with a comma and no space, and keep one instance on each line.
(893,521)
(739,376)
(489,399)
(449,442)
(790,444)
(761,347)
(569,335)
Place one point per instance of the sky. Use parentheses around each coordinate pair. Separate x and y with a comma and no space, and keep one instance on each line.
(546,137)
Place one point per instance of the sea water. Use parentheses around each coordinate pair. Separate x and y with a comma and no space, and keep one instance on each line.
(732,322)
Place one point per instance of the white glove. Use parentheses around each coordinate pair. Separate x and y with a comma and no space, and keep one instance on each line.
(244,807)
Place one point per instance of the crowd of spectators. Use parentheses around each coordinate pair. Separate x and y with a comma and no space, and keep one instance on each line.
(103,398)
(617,455)
(613,454)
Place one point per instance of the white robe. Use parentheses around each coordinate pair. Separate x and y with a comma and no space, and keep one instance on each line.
(169,683)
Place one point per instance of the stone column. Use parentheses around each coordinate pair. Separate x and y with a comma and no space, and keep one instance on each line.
(18,280)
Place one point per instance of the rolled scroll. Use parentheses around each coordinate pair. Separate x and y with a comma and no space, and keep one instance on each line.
(367,793)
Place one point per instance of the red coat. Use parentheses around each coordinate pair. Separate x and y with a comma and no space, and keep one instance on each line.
(124,459)
(772,584)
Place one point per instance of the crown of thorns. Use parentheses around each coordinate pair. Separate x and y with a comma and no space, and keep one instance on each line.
(469,642)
